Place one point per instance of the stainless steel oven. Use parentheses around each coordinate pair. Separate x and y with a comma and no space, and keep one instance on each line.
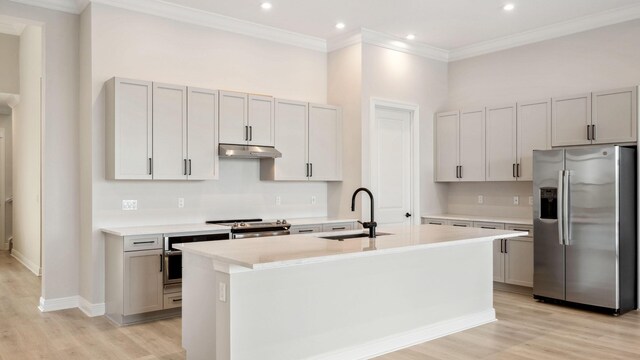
(250,228)
(172,269)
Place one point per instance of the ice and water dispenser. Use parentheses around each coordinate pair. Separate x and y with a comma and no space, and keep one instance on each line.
(549,203)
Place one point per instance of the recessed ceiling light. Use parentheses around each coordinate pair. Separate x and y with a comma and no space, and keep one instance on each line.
(340,25)
(266,5)
(509,7)
(411,37)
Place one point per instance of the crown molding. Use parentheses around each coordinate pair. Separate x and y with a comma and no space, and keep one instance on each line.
(574,26)
(343,41)
(68,6)
(402,45)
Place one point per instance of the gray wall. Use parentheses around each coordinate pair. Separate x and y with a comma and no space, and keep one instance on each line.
(9,76)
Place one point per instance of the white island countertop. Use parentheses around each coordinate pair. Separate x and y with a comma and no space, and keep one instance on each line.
(289,250)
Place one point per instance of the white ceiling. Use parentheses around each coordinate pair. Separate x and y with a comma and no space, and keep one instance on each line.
(446,24)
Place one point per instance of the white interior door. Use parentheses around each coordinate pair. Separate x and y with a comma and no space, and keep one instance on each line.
(391,166)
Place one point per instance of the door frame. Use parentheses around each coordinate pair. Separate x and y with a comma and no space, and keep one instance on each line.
(414,126)
(4,245)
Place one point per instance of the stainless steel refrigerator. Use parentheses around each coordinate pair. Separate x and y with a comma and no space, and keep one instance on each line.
(584,220)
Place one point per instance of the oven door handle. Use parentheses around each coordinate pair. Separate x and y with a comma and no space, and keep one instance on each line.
(173,253)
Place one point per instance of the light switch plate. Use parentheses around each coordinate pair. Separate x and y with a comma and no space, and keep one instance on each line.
(530,200)
(480,199)
(278,200)
(129,204)
(516,200)
(180,203)
(313,200)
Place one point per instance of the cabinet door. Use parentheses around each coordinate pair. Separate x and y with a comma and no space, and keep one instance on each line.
(498,260)
(501,143)
(446,138)
(291,119)
(142,281)
(570,117)
(519,261)
(260,120)
(472,148)
(338,227)
(232,120)
(202,141)
(325,143)
(614,116)
(129,129)
(305,229)
(432,221)
(460,223)
(534,133)
(169,132)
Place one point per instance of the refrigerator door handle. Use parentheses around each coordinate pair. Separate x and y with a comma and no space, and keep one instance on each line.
(566,209)
(561,207)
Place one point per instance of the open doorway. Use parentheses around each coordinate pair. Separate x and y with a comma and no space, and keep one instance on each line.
(21,53)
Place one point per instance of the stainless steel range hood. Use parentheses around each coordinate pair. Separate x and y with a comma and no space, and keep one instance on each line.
(248,151)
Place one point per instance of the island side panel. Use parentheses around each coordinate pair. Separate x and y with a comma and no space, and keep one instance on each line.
(356,308)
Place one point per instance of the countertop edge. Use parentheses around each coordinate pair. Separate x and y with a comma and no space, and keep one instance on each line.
(480,218)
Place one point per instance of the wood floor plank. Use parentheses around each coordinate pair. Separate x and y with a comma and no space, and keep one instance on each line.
(525,330)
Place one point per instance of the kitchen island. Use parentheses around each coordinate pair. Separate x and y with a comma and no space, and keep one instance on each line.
(302,296)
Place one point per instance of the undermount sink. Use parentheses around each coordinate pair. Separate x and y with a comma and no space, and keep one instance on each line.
(352,236)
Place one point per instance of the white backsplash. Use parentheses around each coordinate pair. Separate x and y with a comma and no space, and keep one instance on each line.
(498,199)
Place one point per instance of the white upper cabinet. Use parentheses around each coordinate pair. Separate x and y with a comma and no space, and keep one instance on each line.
(260,120)
(246,119)
(129,129)
(325,143)
(534,133)
(501,143)
(446,139)
(202,130)
(614,116)
(233,118)
(169,132)
(309,136)
(471,145)
(570,117)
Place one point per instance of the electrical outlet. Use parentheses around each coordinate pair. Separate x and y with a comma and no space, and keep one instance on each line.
(278,200)
(516,200)
(530,200)
(129,204)
(180,203)
(222,292)
(480,199)
(313,200)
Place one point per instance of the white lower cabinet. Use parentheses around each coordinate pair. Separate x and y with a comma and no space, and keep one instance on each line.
(143,290)
(317,228)
(519,257)
(338,227)
(305,229)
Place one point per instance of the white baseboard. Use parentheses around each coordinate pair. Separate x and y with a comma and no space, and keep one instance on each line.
(33,267)
(90,309)
(413,337)
(47,305)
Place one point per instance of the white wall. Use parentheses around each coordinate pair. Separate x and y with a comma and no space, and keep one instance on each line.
(9,75)
(344,88)
(600,59)
(398,76)
(26,139)
(134,45)
(5,123)
(60,202)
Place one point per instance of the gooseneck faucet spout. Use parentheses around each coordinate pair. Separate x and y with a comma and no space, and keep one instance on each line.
(371,225)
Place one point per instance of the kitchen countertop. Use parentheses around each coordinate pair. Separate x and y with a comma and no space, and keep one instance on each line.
(289,250)
(318,221)
(165,229)
(495,219)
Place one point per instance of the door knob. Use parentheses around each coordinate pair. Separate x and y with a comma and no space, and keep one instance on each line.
(407,215)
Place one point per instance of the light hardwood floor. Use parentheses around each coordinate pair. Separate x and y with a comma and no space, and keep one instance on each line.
(525,330)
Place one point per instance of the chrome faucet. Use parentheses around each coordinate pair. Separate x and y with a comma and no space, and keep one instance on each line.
(371,225)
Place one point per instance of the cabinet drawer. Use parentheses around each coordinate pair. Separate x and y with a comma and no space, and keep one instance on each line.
(173,300)
(305,229)
(488,225)
(460,223)
(527,228)
(432,221)
(142,242)
(337,227)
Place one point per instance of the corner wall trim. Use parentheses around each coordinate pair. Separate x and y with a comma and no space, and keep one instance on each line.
(90,309)
(33,267)
(413,337)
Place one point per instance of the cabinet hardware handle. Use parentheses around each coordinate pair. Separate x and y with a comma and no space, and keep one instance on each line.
(514,229)
(461,172)
(593,132)
(307,170)
(588,132)
(305,230)
(501,242)
(189,166)
(246,133)
(150,166)
(339,228)
(161,261)
(513,170)
(311,170)
(487,227)
(506,251)
(143,242)
(184,166)
(518,170)
(250,133)
(435,223)
(460,225)
(176,300)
